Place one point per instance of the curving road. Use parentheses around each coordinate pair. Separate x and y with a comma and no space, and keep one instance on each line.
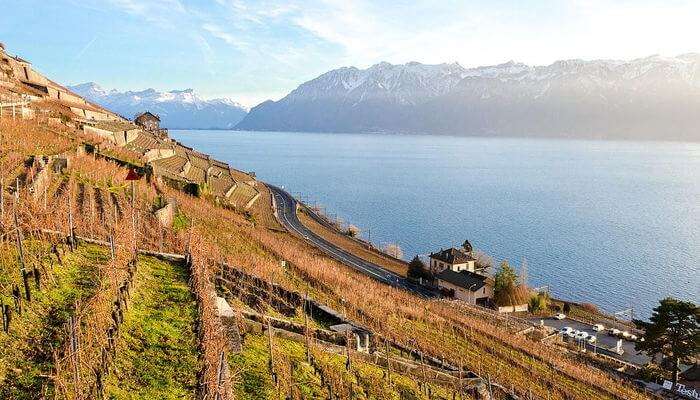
(285,206)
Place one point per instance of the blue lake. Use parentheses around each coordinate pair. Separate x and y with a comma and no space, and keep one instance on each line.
(613,223)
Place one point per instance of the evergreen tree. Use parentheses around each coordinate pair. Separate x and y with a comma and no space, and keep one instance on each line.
(672,331)
(505,278)
(416,269)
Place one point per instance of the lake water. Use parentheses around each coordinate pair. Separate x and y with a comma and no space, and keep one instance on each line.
(613,223)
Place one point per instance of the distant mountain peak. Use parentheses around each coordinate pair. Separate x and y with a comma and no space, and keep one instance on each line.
(178,109)
(640,98)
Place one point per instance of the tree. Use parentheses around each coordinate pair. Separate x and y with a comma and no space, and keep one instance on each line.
(416,269)
(673,331)
(483,260)
(393,250)
(505,278)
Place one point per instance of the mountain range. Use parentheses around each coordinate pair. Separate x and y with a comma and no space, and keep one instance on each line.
(177,109)
(648,98)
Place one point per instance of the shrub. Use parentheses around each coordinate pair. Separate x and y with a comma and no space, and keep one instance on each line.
(592,308)
(353,231)
(538,303)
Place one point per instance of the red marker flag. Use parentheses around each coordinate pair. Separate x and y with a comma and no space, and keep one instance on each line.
(132,175)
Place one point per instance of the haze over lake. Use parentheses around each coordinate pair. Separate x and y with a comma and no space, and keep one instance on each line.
(613,223)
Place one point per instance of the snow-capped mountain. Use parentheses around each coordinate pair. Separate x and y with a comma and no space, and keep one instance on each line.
(178,109)
(647,98)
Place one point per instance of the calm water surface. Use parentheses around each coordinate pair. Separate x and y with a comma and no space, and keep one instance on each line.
(614,223)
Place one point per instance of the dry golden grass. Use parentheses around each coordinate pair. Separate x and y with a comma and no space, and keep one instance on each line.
(433,327)
(353,246)
(262,209)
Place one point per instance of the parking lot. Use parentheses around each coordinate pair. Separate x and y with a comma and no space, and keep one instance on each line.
(604,340)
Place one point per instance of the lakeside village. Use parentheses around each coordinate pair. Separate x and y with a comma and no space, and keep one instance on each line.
(463,276)
(466,276)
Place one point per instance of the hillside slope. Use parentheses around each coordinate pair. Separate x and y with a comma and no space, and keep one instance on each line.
(99,274)
(649,98)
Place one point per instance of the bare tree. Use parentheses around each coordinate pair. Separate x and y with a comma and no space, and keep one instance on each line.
(393,250)
(483,260)
(523,272)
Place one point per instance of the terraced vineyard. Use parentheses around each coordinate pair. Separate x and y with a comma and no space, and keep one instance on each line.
(96,319)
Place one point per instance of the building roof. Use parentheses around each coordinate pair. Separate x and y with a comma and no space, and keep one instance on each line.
(147,114)
(453,256)
(115,126)
(464,279)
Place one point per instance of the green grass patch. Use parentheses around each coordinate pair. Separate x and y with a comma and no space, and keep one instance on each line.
(26,351)
(252,378)
(157,348)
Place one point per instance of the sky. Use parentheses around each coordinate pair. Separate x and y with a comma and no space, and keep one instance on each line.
(253,50)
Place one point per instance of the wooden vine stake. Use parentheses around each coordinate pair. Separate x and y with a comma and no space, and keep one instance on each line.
(71,228)
(388,365)
(220,376)
(2,199)
(270,350)
(306,328)
(347,350)
(74,354)
(111,246)
(22,267)
(461,392)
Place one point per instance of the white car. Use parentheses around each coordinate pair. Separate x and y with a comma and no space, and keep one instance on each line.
(592,339)
(633,338)
(566,330)
(626,335)
(573,333)
(560,316)
(581,335)
(614,332)
(598,327)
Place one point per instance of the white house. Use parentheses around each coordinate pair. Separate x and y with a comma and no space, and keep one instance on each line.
(454,259)
(465,285)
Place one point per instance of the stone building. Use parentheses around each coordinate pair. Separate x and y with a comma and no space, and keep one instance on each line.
(151,123)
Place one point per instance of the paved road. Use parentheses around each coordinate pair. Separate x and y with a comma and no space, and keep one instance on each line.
(286,213)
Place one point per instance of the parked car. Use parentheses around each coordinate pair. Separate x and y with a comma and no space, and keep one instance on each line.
(626,334)
(581,335)
(633,338)
(560,316)
(566,330)
(614,332)
(598,327)
(592,339)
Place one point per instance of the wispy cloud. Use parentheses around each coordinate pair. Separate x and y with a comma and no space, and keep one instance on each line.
(227,37)
(84,49)
(270,46)
(159,12)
